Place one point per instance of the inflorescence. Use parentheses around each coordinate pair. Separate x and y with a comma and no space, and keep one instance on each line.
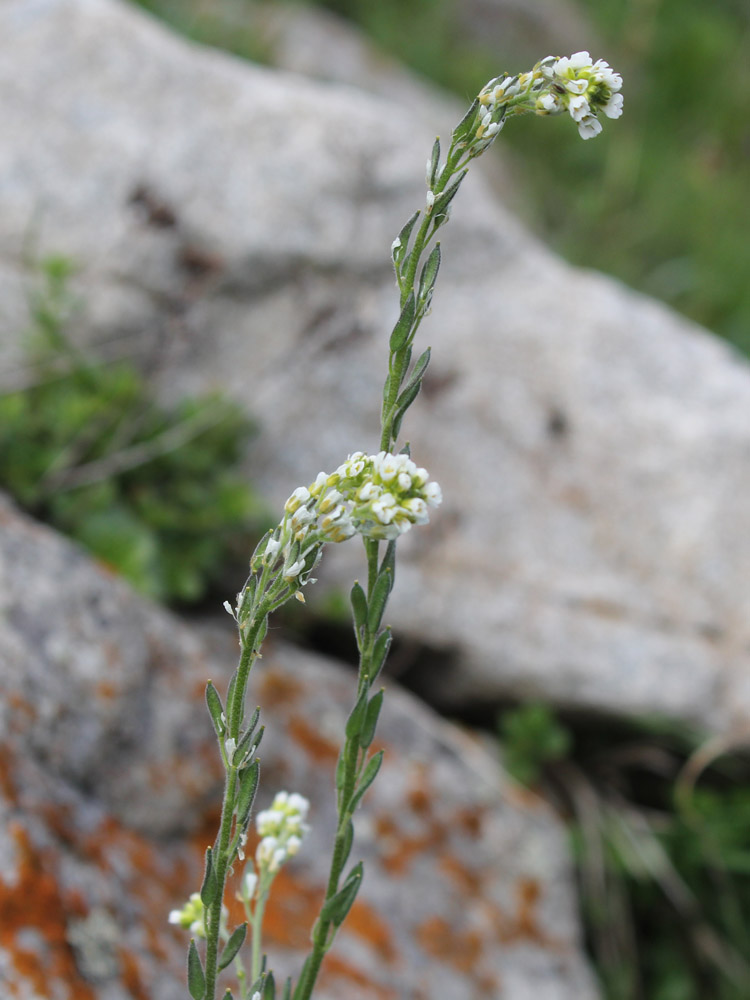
(556,84)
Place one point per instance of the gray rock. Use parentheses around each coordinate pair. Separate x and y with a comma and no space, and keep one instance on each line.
(593,547)
(110,791)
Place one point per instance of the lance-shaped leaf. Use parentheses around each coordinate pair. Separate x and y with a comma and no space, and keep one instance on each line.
(248,787)
(359,607)
(339,905)
(389,560)
(196,977)
(442,203)
(269,990)
(287,994)
(244,745)
(462,131)
(348,840)
(429,273)
(210,881)
(215,709)
(357,717)
(379,598)
(380,652)
(232,946)
(367,732)
(403,403)
(434,163)
(369,775)
(303,977)
(403,325)
(417,373)
(230,694)
(402,240)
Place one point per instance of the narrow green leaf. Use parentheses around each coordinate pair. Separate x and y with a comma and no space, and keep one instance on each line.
(269,990)
(215,709)
(244,744)
(379,598)
(404,237)
(405,400)
(380,652)
(230,694)
(348,840)
(210,883)
(359,606)
(196,978)
(418,370)
(232,946)
(389,561)
(248,787)
(367,732)
(403,325)
(434,163)
(442,203)
(369,775)
(429,273)
(357,717)
(287,994)
(337,908)
(228,995)
(462,130)
(302,981)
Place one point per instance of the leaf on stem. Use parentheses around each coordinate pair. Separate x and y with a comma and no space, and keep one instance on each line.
(403,326)
(348,840)
(429,273)
(210,883)
(379,599)
(232,946)
(359,607)
(215,709)
(402,240)
(269,990)
(462,130)
(196,977)
(357,717)
(434,162)
(442,203)
(369,775)
(380,652)
(248,787)
(367,732)
(287,994)
(339,905)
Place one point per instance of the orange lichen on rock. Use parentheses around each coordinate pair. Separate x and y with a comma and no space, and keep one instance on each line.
(292,909)
(335,968)
(317,748)
(461,949)
(276,688)
(34,900)
(365,921)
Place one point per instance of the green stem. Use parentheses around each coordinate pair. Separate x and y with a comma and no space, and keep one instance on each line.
(257,932)
(222,863)
(248,656)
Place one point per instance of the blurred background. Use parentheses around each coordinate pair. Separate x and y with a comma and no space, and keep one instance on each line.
(658,812)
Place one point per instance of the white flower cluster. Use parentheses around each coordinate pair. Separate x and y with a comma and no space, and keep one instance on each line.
(380,496)
(582,88)
(281,829)
(192,917)
(386,493)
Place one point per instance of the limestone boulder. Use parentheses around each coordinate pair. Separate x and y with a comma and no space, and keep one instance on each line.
(110,793)
(232,227)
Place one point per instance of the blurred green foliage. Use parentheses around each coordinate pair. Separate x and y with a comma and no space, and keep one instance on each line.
(660,823)
(156,494)
(662,199)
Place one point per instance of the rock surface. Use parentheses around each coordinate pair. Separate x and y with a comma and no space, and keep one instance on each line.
(109,796)
(592,446)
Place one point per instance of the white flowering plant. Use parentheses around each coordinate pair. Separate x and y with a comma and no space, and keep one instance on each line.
(379,497)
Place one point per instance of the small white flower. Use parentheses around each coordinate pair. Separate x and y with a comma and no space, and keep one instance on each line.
(299,804)
(230,745)
(396,245)
(493,129)
(293,845)
(299,496)
(613,107)
(433,494)
(229,609)
(580,60)
(589,126)
(175,916)
(430,200)
(578,107)
(577,86)
(291,571)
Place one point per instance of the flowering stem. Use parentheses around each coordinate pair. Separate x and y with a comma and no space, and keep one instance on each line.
(256,928)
